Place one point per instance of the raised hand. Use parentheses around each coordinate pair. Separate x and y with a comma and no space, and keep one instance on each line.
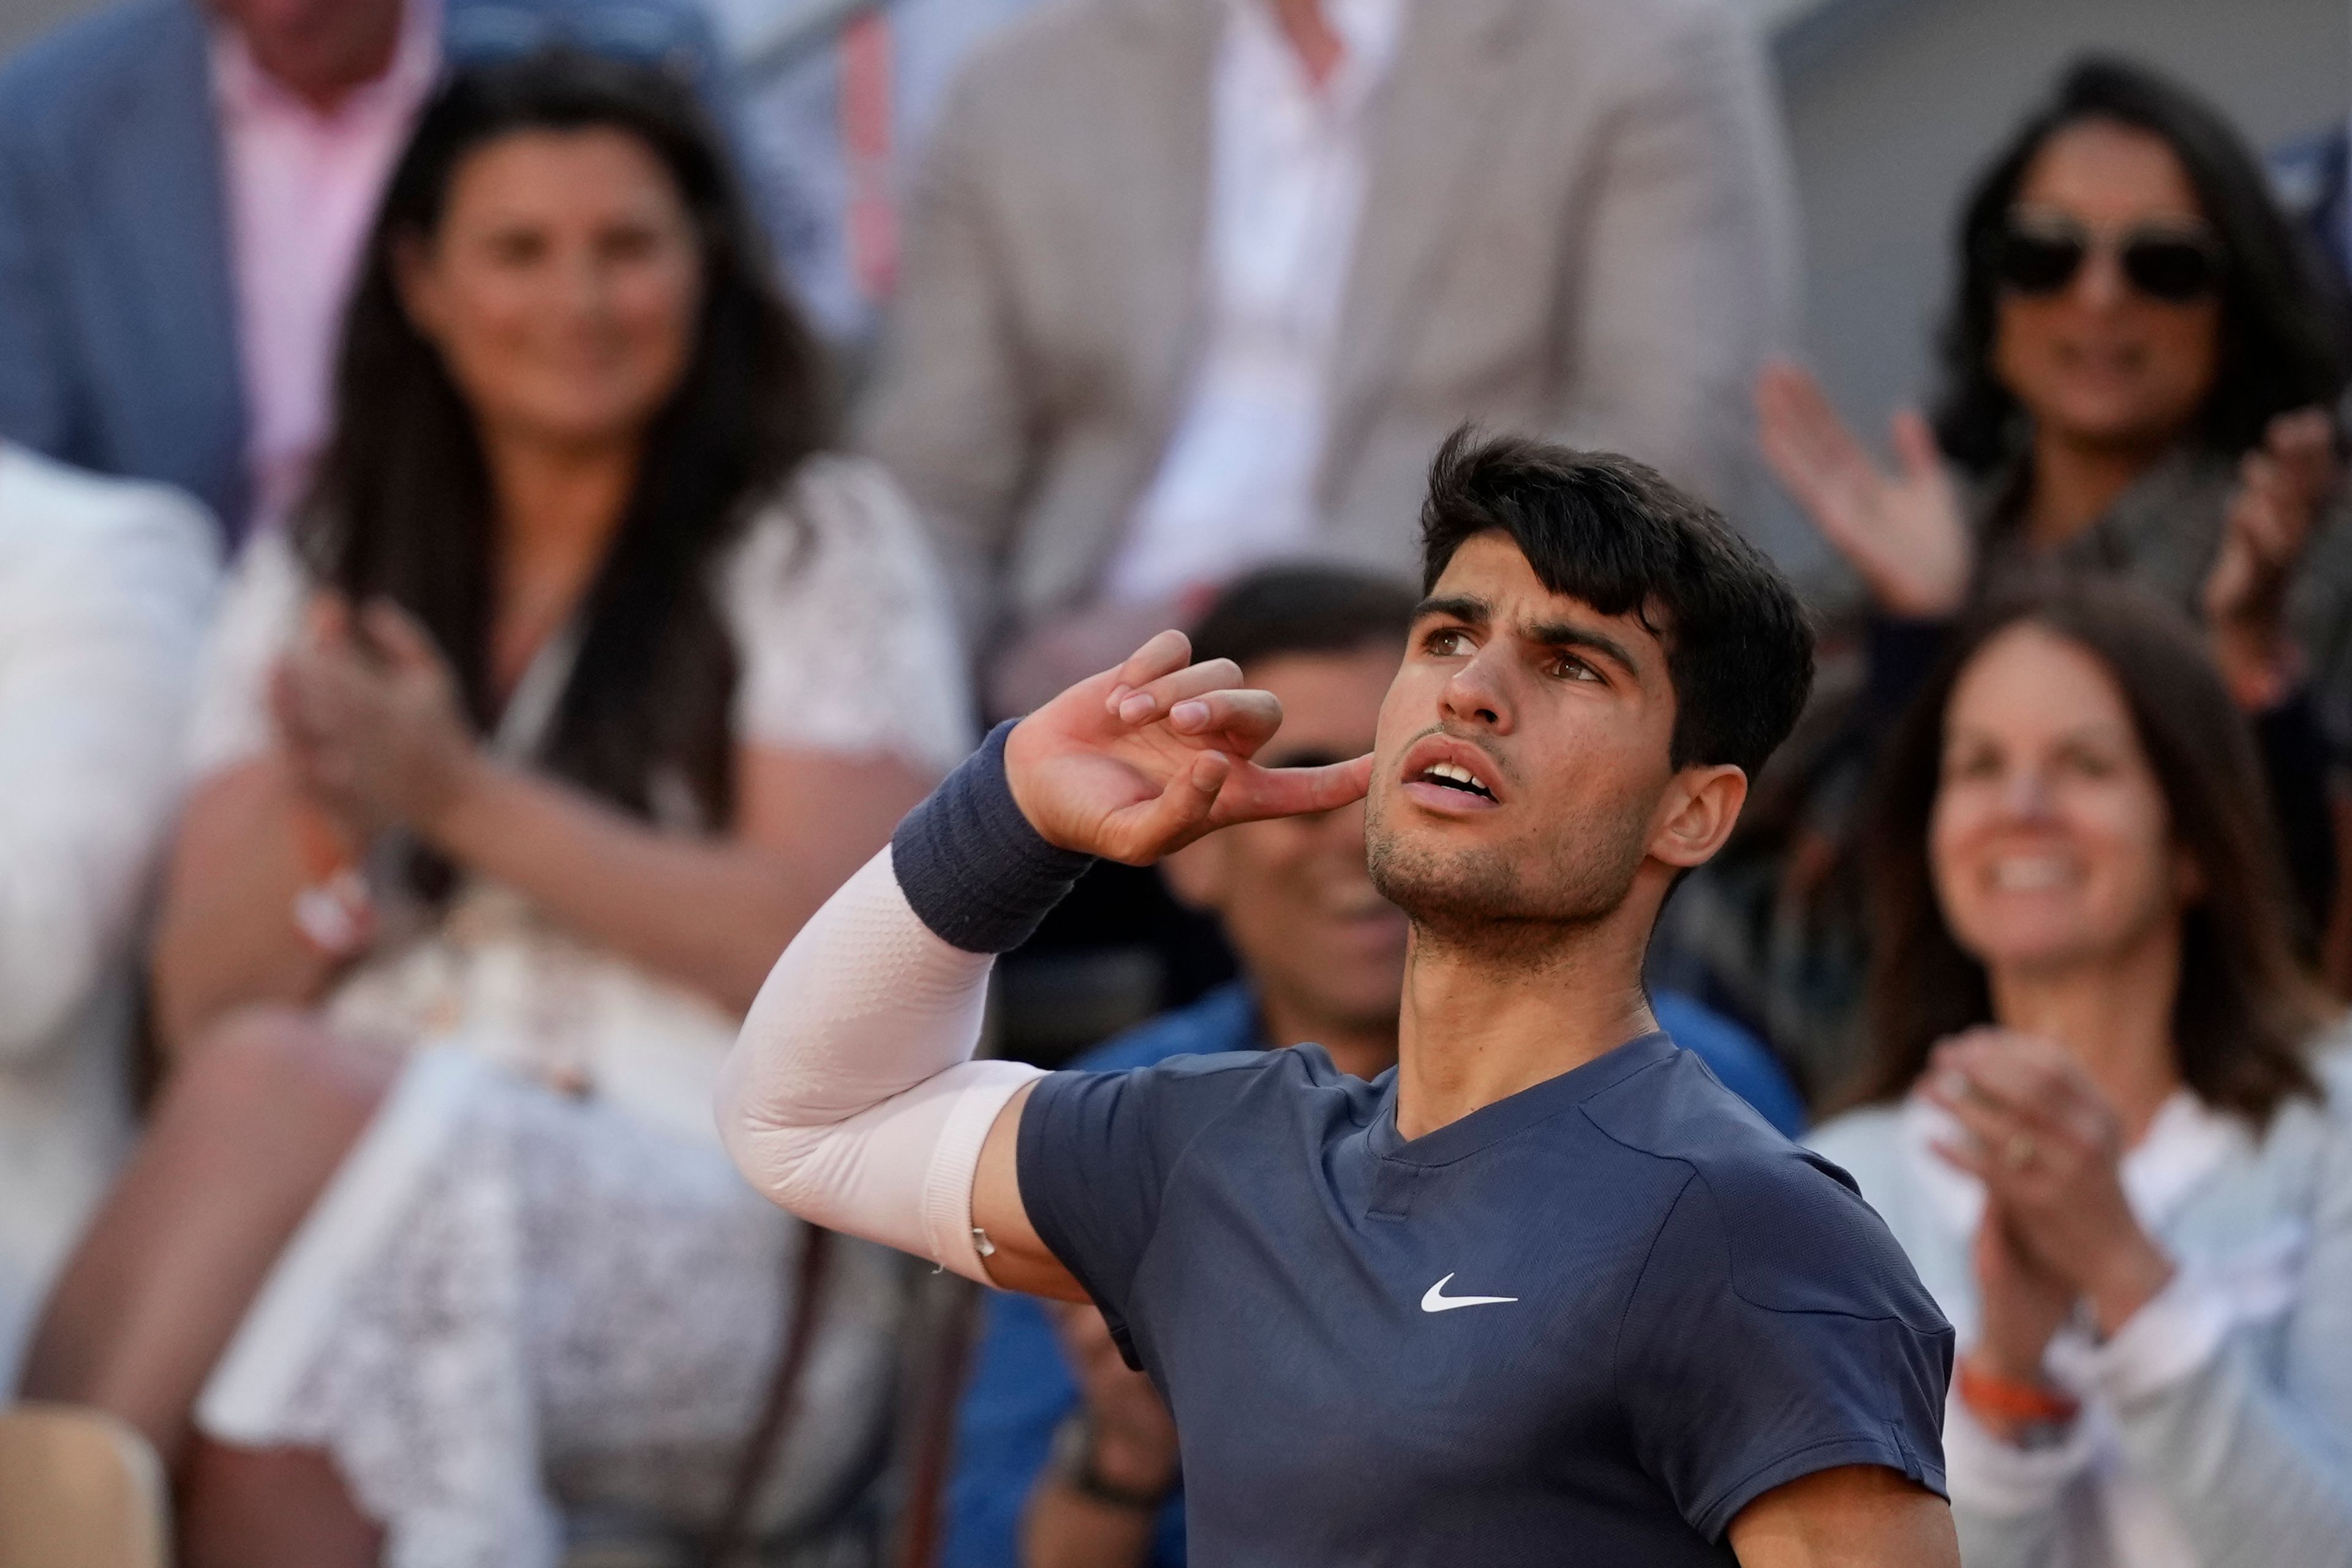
(1138,762)
(1903,534)
(2281,486)
(2048,1148)
(368,713)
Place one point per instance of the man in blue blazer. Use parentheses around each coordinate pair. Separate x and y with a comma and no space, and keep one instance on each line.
(120,341)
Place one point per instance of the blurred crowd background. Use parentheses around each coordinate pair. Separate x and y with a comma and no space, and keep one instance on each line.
(504,503)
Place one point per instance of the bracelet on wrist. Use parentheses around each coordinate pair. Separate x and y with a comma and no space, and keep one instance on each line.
(2011,1400)
(332,912)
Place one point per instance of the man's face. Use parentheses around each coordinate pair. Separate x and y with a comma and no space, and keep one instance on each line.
(320,49)
(1522,767)
(1292,892)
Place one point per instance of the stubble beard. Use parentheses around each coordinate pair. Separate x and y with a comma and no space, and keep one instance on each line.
(1493,902)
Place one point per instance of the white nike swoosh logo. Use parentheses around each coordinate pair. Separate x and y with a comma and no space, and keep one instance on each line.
(1437,1301)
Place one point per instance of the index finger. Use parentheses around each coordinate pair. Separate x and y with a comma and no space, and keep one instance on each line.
(1253,794)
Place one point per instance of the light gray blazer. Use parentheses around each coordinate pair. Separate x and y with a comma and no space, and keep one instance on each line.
(2229,1398)
(1578,224)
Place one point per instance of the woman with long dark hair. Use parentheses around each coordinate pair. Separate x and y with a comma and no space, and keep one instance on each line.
(2092,1112)
(2136,367)
(584,676)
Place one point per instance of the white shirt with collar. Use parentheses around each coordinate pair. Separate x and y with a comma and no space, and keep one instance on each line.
(104,590)
(1289,168)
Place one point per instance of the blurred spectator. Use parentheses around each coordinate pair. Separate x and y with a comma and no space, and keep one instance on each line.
(103,592)
(840,93)
(2093,1115)
(184,187)
(1066,1458)
(609,675)
(2313,175)
(2137,363)
(1193,284)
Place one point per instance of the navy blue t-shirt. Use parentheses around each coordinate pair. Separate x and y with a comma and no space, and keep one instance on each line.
(1587,1323)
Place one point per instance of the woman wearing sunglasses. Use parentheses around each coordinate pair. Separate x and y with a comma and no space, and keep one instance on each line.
(2137,370)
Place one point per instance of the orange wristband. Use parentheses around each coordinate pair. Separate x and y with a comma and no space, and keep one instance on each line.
(2007,1399)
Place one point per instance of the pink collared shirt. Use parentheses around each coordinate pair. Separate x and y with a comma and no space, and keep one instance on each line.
(302,191)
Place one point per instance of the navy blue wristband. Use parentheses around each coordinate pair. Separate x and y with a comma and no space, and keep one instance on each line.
(972,865)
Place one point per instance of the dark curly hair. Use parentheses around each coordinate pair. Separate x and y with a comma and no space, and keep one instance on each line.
(2285,331)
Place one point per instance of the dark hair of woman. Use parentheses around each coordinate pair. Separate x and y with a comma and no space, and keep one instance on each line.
(2246,1009)
(2285,327)
(401,506)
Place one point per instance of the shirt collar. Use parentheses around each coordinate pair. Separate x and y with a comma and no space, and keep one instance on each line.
(243,89)
(1368,32)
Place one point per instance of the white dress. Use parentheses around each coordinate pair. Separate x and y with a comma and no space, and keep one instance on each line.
(537,1288)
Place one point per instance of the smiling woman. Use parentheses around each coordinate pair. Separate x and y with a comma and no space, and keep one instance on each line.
(2094,1114)
(584,678)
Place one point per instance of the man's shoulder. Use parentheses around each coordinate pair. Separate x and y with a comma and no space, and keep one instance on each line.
(1046,67)
(80,68)
(1793,1231)
(52,510)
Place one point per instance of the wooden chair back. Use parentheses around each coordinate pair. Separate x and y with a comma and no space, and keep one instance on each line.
(80,1488)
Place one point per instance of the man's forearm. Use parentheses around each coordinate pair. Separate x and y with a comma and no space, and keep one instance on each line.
(850,1098)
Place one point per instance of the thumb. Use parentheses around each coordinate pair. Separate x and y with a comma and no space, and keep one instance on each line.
(400,637)
(1145,831)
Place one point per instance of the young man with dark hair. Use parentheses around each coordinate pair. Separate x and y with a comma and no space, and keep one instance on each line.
(1547,1290)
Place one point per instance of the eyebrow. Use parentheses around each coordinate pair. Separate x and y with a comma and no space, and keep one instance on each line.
(1472,610)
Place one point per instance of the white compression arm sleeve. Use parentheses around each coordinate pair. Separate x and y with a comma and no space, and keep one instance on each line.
(850,1098)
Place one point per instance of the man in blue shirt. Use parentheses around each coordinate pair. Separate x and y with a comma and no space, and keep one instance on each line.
(1323,955)
(1547,1291)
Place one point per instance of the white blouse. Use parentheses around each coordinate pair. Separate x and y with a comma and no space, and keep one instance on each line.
(844,641)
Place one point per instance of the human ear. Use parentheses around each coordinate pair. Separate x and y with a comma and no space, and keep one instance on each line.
(1198,874)
(1702,807)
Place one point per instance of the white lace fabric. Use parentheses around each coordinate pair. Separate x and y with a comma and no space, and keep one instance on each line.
(537,1284)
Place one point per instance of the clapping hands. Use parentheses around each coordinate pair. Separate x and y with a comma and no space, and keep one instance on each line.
(1138,762)
(2282,487)
(2058,1228)
(368,714)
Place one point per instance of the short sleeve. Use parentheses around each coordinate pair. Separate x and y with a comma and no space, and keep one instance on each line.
(1777,1331)
(842,625)
(1093,1155)
(258,612)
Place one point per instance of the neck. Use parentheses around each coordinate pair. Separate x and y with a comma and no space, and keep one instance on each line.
(1362,1047)
(1480,1023)
(557,508)
(1311,36)
(2075,482)
(2114,1017)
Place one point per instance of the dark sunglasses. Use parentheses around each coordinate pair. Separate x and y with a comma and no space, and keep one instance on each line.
(2171,262)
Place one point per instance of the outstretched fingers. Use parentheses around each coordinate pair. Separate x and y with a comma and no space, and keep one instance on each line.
(1164,655)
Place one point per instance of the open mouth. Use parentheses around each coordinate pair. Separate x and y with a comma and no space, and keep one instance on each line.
(1454,775)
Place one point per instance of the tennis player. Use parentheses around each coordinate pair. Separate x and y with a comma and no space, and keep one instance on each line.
(1547,1292)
